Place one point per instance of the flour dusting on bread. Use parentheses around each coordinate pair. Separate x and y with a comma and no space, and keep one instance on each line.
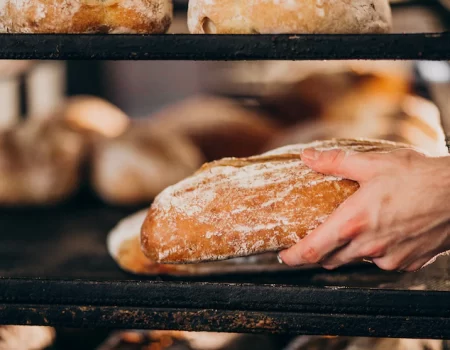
(243,206)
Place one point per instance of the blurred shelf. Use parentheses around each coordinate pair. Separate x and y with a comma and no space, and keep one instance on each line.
(435,46)
(55,270)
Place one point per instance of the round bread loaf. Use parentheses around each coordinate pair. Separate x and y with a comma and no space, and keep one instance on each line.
(134,167)
(288,16)
(220,127)
(41,162)
(93,115)
(85,16)
(245,206)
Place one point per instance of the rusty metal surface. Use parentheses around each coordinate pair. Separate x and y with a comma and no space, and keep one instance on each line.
(228,321)
(225,47)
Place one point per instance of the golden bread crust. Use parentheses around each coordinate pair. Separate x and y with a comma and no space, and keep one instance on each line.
(289,16)
(239,207)
(86,16)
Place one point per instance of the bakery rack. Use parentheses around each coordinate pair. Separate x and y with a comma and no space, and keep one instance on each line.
(55,269)
(432,46)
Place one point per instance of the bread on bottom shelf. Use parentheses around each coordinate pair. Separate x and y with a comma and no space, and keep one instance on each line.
(26,337)
(41,162)
(289,16)
(124,246)
(240,207)
(85,16)
(134,167)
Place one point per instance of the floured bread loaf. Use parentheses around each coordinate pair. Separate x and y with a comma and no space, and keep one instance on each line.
(239,207)
(288,16)
(124,247)
(85,16)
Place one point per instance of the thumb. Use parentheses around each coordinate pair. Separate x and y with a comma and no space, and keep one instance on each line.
(350,165)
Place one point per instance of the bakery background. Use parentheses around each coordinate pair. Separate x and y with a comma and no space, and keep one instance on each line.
(255,105)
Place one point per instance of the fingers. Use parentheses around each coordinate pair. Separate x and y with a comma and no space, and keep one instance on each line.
(357,250)
(354,166)
(339,229)
(358,166)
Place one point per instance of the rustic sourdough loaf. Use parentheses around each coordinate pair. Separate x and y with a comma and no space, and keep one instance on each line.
(288,16)
(85,16)
(244,206)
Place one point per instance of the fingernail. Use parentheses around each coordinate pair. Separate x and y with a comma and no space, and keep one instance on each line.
(310,154)
(279,259)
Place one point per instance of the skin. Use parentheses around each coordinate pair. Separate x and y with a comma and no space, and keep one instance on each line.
(399,218)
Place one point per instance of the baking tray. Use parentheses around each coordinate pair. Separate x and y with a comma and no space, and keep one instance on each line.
(225,47)
(55,270)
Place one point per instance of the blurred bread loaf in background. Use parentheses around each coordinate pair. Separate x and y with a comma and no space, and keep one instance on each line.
(220,127)
(40,163)
(134,167)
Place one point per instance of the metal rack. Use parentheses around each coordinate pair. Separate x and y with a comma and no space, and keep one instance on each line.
(66,278)
(225,47)
(55,269)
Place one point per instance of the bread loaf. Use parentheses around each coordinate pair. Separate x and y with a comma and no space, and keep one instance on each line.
(124,247)
(26,337)
(93,115)
(134,167)
(41,162)
(288,16)
(239,207)
(85,16)
(220,127)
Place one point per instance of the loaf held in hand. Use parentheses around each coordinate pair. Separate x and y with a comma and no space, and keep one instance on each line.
(85,16)
(288,16)
(124,246)
(239,207)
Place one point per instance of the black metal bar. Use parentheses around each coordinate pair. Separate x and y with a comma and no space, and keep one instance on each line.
(225,47)
(275,298)
(226,321)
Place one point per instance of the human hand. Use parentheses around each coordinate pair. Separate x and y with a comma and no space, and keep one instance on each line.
(399,218)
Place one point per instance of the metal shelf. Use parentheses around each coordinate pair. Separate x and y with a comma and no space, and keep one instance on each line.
(63,276)
(225,47)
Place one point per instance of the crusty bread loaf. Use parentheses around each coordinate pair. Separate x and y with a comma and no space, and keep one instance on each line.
(220,127)
(239,207)
(41,162)
(124,247)
(134,167)
(85,16)
(288,16)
